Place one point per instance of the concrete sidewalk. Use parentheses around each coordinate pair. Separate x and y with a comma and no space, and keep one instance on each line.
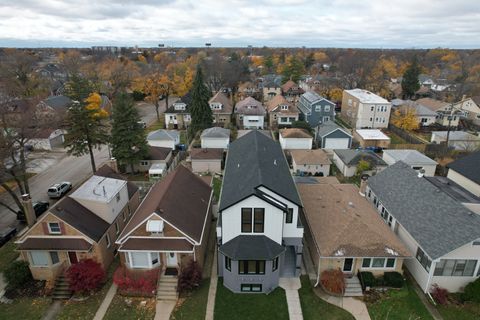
(102,310)
(164,309)
(212,291)
(291,286)
(355,306)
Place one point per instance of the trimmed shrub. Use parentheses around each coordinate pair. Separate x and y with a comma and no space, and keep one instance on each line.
(136,284)
(367,279)
(393,279)
(190,276)
(17,275)
(440,295)
(472,291)
(86,276)
(333,281)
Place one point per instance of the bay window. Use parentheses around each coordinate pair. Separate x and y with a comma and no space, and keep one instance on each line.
(43,258)
(143,260)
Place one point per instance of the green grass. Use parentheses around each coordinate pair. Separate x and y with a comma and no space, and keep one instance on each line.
(258,306)
(25,308)
(156,125)
(87,309)
(8,254)
(457,311)
(314,308)
(119,309)
(217,186)
(396,139)
(183,137)
(403,304)
(342,122)
(194,305)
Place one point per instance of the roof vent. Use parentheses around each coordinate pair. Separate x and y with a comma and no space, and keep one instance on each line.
(275,162)
(350,204)
(420,174)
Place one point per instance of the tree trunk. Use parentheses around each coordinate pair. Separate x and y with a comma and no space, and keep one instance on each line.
(23,166)
(13,195)
(92,157)
(131,168)
(156,110)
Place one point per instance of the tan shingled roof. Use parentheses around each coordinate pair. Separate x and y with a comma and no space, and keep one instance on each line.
(295,133)
(226,103)
(432,104)
(343,223)
(317,156)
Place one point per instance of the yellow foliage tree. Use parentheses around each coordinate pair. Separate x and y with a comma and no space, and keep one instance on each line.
(406,119)
(94,103)
(335,94)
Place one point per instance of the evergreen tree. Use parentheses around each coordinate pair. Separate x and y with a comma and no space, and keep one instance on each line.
(410,83)
(87,123)
(129,144)
(199,107)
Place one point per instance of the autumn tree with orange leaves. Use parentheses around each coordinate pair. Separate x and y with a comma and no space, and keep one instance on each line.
(87,125)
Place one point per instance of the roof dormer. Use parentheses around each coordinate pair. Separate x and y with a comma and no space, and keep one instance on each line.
(180,106)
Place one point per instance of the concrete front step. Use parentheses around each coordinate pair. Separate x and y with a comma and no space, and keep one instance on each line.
(167,288)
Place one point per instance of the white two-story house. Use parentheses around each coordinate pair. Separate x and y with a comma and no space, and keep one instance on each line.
(250,114)
(364,109)
(442,233)
(259,231)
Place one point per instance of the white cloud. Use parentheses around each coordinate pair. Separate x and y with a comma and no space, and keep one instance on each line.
(346,23)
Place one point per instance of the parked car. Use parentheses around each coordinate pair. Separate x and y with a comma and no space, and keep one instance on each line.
(7,234)
(39,208)
(58,190)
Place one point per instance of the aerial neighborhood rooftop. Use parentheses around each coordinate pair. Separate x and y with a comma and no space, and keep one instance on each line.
(220,187)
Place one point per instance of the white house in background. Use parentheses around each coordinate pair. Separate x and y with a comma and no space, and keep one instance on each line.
(216,138)
(416,160)
(442,233)
(459,140)
(312,162)
(470,108)
(466,172)
(363,109)
(446,115)
(47,139)
(295,138)
(250,114)
(164,138)
(424,115)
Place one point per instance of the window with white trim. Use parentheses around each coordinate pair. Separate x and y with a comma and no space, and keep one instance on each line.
(54,228)
(327,109)
(378,263)
(139,259)
(318,108)
(54,257)
(144,163)
(39,258)
(424,260)
(456,268)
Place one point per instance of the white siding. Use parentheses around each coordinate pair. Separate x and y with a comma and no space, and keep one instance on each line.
(464,182)
(312,168)
(296,143)
(231,220)
(163,143)
(429,168)
(215,143)
(253,122)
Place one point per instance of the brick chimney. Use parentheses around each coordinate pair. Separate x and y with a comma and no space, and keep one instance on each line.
(363,185)
(28,208)
(112,163)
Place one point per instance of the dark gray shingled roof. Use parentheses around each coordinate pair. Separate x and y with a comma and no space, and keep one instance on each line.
(255,160)
(251,248)
(436,221)
(468,166)
(352,157)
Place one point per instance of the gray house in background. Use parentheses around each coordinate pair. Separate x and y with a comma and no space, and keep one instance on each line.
(331,136)
(259,230)
(315,109)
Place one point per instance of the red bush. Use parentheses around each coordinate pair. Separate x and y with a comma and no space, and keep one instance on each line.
(85,276)
(440,295)
(333,281)
(190,277)
(136,284)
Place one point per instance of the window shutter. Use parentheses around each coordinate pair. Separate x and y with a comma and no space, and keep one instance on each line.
(45,228)
(62,227)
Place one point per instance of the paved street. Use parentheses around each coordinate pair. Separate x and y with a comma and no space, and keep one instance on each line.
(66,168)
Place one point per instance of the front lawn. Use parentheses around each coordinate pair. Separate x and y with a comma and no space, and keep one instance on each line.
(454,310)
(131,308)
(314,308)
(402,304)
(25,308)
(193,306)
(8,254)
(258,306)
(87,309)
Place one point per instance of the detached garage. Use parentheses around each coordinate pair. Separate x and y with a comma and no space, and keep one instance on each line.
(331,136)
(206,160)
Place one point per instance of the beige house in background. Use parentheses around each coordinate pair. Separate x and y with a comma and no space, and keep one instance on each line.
(313,162)
(83,225)
(222,109)
(281,112)
(364,109)
(444,111)
(470,108)
(346,233)
(206,160)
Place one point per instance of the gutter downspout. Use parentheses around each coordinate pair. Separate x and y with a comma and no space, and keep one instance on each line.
(430,276)
(318,273)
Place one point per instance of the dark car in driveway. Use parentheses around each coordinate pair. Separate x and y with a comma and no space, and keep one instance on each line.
(7,234)
(39,208)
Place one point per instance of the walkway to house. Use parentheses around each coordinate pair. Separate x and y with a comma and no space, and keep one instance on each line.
(355,306)
(291,286)
(164,308)
(102,310)
(212,291)
(53,310)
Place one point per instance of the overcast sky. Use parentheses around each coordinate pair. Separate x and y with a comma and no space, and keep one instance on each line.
(291,23)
